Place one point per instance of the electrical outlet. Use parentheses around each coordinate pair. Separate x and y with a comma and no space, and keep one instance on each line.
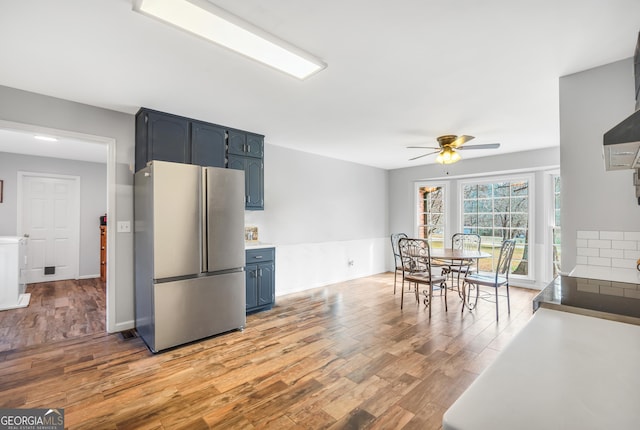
(124,227)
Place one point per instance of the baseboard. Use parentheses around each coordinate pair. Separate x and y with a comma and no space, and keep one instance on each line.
(122,326)
(88,276)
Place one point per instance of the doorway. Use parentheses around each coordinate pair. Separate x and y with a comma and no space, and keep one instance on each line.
(109,151)
(49,215)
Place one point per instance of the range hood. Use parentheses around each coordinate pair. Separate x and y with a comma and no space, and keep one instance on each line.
(622,142)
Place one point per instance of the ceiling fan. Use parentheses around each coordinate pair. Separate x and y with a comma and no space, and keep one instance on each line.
(449,145)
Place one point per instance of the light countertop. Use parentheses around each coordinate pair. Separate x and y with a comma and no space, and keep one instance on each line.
(257,245)
(614,274)
(562,370)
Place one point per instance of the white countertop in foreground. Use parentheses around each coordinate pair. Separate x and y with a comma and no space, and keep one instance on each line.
(562,371)
(614,274)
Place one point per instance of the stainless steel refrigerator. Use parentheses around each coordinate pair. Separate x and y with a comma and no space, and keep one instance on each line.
(189,252)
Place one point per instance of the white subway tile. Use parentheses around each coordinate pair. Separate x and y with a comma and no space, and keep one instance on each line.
(612,253)
(598,261)
(590,252)
(582,259)
(625,285)
(624,244)
(596,243)
(588,288)
(611,291)
(612,235)
(631,254)
(623,264)
(632,235)
(582,243)
(634,294)
(581,234)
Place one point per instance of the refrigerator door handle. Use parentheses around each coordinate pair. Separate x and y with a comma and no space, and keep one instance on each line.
(204,224)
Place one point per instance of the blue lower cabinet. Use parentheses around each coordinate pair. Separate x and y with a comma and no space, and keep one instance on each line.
(261,277)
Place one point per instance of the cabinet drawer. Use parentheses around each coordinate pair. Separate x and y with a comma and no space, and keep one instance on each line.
(262,254)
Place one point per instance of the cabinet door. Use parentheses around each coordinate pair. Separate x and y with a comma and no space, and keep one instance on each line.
(266,278)
(168,138)
(254,181)
(237,142)
(251,286)
(255,145)
(207,144)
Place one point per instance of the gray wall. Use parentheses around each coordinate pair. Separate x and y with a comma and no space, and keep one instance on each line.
(93,200)
(591,103)
(322,213)
(30,108)
(401,189)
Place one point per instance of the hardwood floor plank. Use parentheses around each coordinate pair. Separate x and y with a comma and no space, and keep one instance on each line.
(341,356)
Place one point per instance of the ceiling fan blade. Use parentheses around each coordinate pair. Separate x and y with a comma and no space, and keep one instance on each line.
(481,146)
(422,147)
(423,155)
(460,140)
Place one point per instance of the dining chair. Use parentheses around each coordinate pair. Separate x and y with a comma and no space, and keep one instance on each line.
(467,242)
(397,261)
(491,279)
(416,268)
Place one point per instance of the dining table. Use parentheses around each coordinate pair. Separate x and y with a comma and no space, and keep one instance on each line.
(444,255)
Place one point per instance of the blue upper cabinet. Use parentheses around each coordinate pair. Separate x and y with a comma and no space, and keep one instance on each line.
(167,137)
(161,136)
(208,144)
(246,144)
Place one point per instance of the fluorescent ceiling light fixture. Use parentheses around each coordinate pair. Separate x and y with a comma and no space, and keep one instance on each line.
(46,138)
(203,19)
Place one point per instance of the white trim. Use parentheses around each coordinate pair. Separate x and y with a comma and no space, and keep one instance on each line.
(89,276)
(530,177)
(75,211)
(111,324)
(445,185)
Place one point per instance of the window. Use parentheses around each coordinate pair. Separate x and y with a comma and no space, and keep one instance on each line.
(431,213)
(499,210)
(555,230)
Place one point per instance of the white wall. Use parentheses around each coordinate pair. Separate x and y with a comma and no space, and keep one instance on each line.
(402,185)
(93,200)
(320,213)
(29,108)
(591,103)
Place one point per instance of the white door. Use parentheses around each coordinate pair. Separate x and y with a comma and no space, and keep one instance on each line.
(50,217)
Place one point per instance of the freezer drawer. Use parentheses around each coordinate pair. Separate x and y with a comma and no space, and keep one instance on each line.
(193,309)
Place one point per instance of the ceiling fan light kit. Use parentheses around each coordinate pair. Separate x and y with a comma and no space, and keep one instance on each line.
(448,145)
(448,156)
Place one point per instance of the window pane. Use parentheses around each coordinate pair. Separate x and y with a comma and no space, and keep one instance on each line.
(501,205)
(470,206)
(485,220)
(501,190)
(485,205)
(470,220)
(519,220)
(484,190)
(501,220)
(520,188)
(519,204)
(470,191)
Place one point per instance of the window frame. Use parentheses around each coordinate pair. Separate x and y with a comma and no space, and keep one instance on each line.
(530,178)
(446,215)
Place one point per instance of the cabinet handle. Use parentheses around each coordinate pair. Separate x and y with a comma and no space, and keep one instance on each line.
(258,256)
(259,272)
(248,199)
(248,148)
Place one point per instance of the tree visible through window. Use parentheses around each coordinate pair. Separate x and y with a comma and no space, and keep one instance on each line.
(498,211)
(431,214)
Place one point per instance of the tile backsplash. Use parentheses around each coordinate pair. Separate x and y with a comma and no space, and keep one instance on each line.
(620,249)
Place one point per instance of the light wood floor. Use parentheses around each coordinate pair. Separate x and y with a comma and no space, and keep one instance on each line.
(343,356)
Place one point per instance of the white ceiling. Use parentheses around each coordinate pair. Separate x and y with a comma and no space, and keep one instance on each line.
(399,72)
